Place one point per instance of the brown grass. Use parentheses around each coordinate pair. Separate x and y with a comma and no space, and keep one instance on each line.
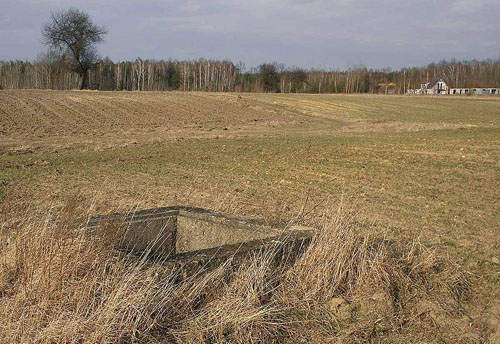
(419,166)
(57,284)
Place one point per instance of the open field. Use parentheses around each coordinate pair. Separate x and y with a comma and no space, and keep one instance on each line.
(415,166)
(53,120)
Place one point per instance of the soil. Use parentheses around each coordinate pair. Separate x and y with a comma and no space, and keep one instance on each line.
(52,120)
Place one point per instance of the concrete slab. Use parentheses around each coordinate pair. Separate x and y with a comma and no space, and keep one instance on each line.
(188,239)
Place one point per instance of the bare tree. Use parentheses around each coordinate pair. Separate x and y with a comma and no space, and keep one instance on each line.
(72,33)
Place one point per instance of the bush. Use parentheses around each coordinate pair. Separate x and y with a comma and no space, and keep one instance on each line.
(269,77)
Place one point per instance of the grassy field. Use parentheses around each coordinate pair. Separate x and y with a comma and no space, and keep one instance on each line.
(426,167)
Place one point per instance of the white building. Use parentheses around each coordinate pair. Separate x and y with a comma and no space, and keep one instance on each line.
(475,91)
(438,86)
(435,86)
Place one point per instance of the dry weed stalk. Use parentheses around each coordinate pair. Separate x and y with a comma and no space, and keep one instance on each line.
(58,284)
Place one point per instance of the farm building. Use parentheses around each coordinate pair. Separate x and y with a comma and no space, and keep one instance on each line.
(475,91)
(386,88)
(434,86)
(438,86)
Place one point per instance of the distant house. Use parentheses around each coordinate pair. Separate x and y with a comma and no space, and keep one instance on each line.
(434,86)
(386,87)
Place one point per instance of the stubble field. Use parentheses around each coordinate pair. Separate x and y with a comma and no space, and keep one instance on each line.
(426,167)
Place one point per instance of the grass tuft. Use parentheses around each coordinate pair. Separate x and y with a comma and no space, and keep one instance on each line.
(58,284)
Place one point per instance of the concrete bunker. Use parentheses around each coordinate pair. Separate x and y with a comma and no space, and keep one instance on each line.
(188,238)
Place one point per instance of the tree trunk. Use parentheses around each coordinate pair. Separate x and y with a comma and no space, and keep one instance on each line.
(83,79)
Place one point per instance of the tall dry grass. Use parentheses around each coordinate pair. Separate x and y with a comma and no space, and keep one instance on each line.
(59,285)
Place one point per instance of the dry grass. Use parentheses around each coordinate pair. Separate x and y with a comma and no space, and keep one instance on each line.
(57,284)
(421,166)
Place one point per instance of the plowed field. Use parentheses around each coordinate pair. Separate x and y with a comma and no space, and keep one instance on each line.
(58,120)
(34,120)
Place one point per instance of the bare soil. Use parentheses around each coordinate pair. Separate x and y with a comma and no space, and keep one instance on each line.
(47,120)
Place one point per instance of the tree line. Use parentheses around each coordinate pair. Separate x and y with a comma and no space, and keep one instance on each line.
(72,61)
(52,71)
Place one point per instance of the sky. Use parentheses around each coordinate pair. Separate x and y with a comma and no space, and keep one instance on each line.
(308,33)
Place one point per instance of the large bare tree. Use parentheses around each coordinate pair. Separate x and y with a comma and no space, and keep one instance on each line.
(73,33)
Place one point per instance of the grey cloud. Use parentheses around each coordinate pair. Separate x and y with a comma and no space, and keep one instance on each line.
(314,33)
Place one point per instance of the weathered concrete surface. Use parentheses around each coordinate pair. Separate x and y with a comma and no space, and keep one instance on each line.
(286,248)
(152,231)
(189,240)
(201,230)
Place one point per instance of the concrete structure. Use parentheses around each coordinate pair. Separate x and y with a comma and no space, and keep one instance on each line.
(475,91)
(434,86)
(438,86)
(187,240)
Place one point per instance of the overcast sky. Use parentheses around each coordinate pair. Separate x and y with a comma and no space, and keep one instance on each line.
(308,33)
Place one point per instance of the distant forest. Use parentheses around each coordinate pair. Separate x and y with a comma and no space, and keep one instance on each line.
(52,72)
